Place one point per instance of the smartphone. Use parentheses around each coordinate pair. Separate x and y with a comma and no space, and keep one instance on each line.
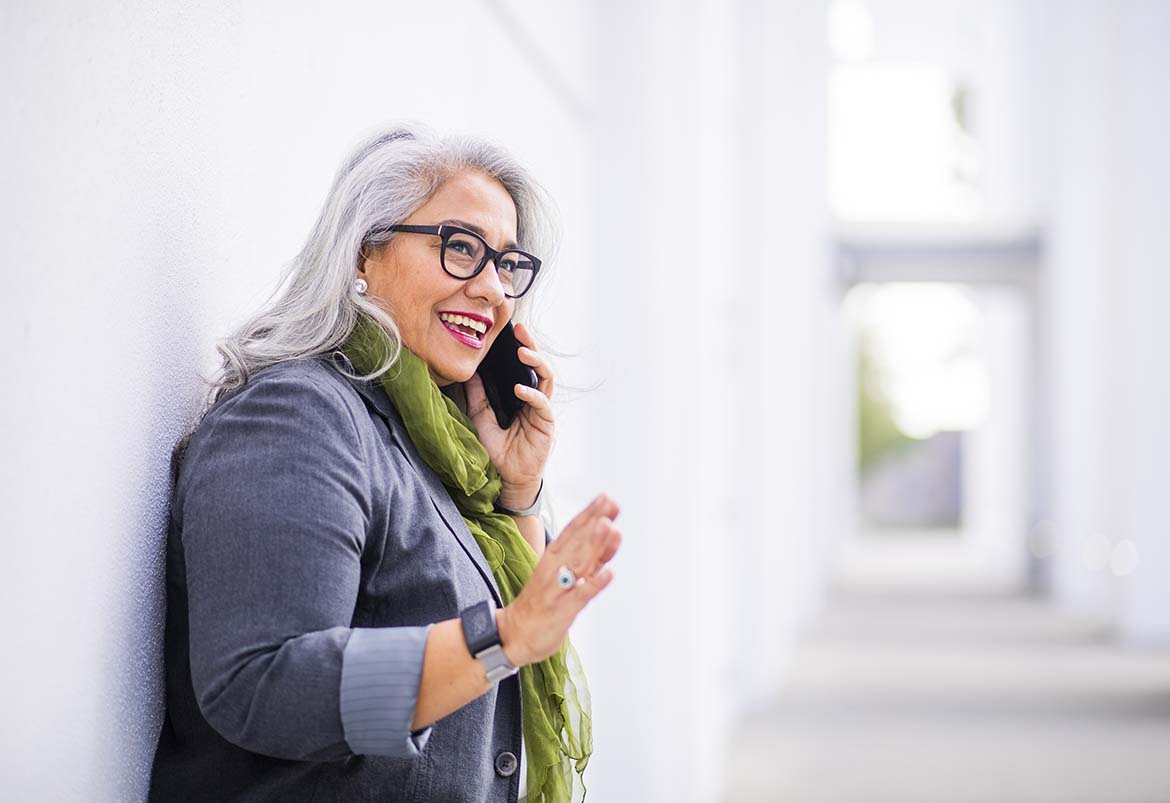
(501,370)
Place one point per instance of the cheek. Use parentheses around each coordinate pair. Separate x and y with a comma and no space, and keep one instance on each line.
(419,320)
(411,302)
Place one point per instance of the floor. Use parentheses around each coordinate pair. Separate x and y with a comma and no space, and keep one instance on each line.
(970,695)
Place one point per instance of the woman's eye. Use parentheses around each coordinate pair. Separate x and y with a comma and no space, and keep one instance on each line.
(458,245)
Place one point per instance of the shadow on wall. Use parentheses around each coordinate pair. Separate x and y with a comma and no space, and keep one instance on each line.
(167,357)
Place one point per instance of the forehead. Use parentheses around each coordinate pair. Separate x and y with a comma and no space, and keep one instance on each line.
(475,199)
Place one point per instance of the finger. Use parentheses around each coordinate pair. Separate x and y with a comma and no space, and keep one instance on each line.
(578,526)
(610,507)
(604,505)
(523,335)
(539,403)
(597,507)
(592,586)
(607,547)
(601,548)
(573,532)
(544,374)
(583,555)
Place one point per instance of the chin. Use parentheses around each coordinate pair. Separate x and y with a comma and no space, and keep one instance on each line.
(448,374)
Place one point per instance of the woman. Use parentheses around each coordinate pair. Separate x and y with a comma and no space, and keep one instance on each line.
(341,533)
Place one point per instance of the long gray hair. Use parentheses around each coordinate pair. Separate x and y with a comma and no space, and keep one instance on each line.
(391,174)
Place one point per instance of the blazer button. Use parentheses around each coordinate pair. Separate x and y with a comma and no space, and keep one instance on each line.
(505,764)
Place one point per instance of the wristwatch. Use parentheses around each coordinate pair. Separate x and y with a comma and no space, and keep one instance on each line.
(531,510)
(483,640)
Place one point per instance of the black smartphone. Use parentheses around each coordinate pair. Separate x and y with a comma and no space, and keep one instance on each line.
(501,370)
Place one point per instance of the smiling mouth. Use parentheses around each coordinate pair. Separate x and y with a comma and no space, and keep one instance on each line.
(466,330)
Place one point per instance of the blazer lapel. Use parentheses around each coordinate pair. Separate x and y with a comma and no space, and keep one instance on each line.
(377,400)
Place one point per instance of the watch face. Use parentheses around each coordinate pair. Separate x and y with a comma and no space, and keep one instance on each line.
(480,621)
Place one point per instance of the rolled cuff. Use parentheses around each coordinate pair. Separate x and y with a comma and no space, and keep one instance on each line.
(381,670)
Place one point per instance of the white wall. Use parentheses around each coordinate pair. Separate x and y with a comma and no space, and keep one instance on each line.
(1101,92)
(163,163)
(1142,349)
(1075,147)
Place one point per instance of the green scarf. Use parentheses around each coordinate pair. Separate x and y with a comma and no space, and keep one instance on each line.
(558,730)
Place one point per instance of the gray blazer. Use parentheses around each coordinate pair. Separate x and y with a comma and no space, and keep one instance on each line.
(309,551)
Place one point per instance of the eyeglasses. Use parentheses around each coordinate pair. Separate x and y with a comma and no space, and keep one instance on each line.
(465,253)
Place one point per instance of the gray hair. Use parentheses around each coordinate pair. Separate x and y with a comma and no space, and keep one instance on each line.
(391,174)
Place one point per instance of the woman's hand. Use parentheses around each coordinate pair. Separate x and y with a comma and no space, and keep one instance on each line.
(520,451)
(535,624)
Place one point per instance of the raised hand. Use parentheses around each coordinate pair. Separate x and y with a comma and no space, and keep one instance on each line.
(536,622)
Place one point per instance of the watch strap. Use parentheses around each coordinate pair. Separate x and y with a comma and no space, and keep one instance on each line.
(531,510)
(496,664)
(483,640)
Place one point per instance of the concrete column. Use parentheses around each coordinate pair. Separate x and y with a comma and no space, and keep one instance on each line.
(1103,113)
(709,192)
(1141,267)
(1075,138)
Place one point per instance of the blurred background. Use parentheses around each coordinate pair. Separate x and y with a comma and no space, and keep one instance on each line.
(861,315)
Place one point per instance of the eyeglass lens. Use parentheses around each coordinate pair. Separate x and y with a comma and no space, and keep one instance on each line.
(463,253)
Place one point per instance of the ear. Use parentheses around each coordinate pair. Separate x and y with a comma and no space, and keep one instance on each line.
(372,252)
(365,259)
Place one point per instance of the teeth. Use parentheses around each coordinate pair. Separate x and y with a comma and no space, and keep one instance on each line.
(463,320)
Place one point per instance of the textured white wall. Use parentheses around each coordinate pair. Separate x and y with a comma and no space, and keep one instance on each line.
(162,162)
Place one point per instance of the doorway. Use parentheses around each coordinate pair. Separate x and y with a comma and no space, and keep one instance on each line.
(944,384)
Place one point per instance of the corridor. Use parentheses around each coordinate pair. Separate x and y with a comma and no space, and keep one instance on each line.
(925,697)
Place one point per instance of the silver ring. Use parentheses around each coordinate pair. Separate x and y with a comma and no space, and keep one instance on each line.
(565,578)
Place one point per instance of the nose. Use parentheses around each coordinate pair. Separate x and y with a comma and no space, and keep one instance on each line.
(486,285)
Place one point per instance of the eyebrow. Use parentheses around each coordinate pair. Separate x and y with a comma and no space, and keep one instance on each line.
(457,222)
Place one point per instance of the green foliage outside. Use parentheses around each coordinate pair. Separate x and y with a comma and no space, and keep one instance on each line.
(878,435)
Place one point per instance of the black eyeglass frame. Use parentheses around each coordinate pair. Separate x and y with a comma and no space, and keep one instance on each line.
(445,231)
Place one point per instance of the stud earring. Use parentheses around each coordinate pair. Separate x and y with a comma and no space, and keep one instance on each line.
(361,286)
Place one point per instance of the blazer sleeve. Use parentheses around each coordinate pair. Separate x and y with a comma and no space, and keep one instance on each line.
(275,503)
